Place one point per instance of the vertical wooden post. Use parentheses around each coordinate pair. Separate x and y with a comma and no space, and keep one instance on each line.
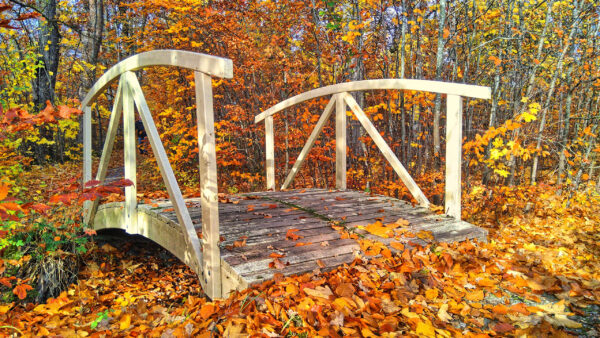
(87,153)
(270,152)
(211,257)
(453,155)
(340,142)
(129,157)
(111,133)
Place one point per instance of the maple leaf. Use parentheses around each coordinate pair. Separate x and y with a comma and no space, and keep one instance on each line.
(21,290)
(90,232)
(290,235)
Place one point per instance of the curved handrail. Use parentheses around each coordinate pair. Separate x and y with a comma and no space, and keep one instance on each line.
(478,92)
(208,64)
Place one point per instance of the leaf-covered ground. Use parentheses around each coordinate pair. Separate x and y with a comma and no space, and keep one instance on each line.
(537,275)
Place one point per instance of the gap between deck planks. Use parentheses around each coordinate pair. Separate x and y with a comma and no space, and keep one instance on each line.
(264,218)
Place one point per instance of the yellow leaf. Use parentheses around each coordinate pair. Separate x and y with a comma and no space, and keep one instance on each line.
(125,322)
(425,330)
(431,294)
(4,309)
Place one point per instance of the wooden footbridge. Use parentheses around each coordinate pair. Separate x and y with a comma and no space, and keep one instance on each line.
(263,221)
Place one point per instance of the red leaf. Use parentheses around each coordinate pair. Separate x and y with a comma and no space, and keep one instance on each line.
(124,182)
(91,183)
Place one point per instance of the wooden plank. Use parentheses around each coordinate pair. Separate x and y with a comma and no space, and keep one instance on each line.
(314,135)
(453,156)
(109,141)
(211,65)
(249,267)
(400,84)
(129,158)
(309,252)
(263,247)
(340,142)
(387,151)
(211,260)
(301,268)
(87,152)
(192,254)
(270,152)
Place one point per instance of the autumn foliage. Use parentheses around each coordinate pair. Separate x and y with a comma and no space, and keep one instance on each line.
(530,163)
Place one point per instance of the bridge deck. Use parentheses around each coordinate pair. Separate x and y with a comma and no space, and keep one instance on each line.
(261,221)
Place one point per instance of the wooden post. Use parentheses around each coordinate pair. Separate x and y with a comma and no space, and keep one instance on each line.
(309,143)
(453,155)
(211,257)
(340,142)
(111,133)
(129,158)
(270,152)
(87,153)
(192,256)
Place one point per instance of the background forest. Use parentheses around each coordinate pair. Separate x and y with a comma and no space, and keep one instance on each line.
(531,166)
(539,57)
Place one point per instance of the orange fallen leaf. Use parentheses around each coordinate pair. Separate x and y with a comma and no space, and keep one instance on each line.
(290,234)
(276,255)
(303,244)
(21,290)
(397,245)
(207,310)
(320,263)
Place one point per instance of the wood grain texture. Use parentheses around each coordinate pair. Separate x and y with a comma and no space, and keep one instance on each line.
(340,142)
(453,187)
(211,260)
(262,220)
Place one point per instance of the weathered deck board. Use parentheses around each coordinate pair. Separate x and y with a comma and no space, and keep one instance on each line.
(264,218)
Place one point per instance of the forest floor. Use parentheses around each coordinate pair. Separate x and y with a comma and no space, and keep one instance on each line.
(538,274)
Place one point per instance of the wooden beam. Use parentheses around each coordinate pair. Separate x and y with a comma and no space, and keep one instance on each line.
(211,258)
(87,153)
(340,141)
(192,255)
(453,156)
(387,151)
(109,141)
(309,143)
(403,84)
(129,158)
(212,65)
(270,153)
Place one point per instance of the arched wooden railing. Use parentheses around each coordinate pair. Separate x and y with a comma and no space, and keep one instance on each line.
(203,258)
(341,98)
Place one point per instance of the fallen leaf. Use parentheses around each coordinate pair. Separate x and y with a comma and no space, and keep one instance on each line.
(319,291)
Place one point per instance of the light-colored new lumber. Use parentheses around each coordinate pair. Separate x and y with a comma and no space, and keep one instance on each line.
(208,64)
(340,142)
(478,92)
(452,203)
(211,259)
